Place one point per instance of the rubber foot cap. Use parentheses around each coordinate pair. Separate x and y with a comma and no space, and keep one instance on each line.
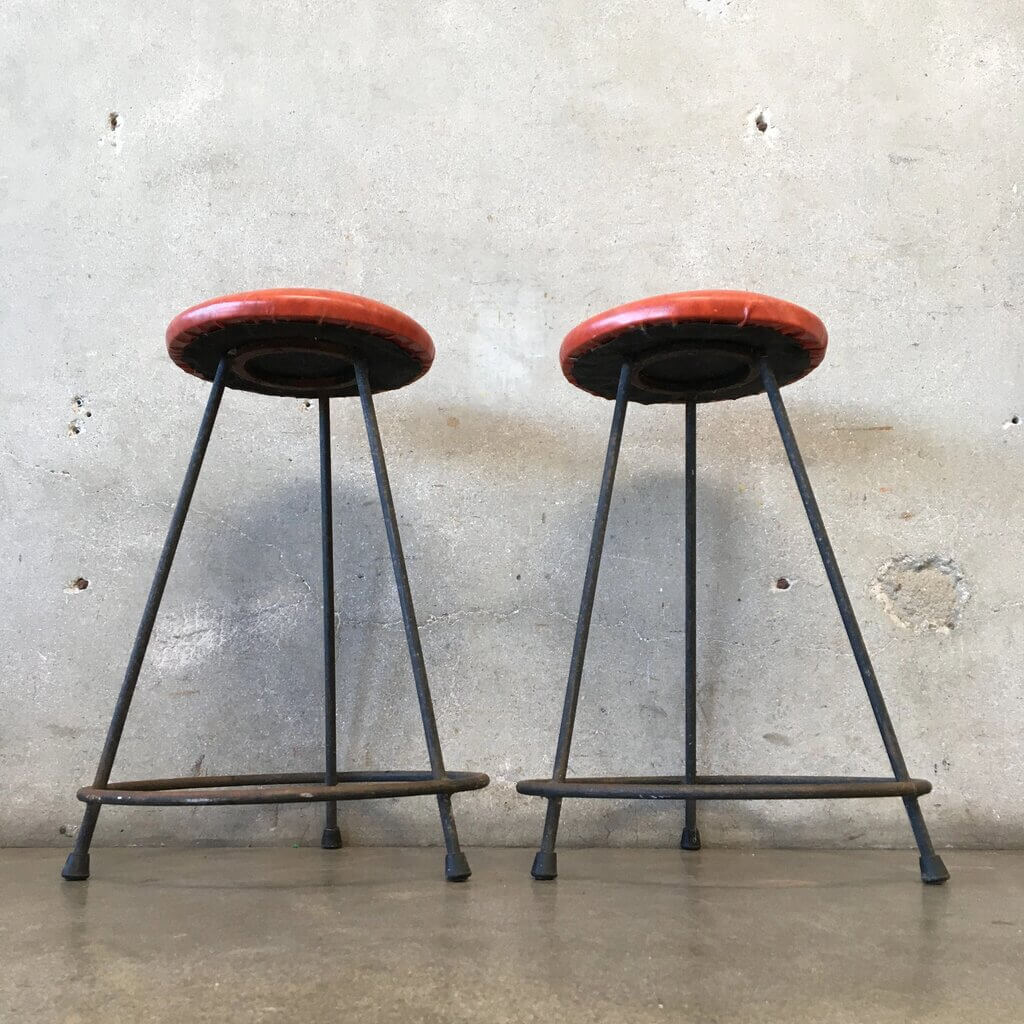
(456,867)
(690,839)
(76,867)
(545,866)
(933,871)
(331,839)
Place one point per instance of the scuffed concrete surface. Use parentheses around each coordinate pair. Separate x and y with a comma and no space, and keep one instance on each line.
(922,593)
(645,936)
(500,172)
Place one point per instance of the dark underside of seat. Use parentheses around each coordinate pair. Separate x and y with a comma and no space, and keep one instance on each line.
(683,362)
(300,358)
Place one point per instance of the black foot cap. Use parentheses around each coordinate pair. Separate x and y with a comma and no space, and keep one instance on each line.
(331,839)
(76,867)
(690,839)
(933,871)
(545,866)
(456,867)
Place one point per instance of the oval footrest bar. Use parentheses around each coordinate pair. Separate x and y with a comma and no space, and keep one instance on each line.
(280,788)
(724,787)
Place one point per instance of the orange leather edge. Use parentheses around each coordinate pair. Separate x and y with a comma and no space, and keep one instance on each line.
(722,307)
(306,304)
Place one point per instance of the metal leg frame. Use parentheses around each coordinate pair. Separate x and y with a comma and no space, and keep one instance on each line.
(331,838)
(690,839)
(932,869)
(456,867)
(328,786)
(76,867)
(691,787)
(545,864)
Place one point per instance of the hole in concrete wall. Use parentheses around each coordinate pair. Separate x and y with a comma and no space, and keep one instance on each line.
(782,583)
(74,427)
(922,594)
(1013,421)
(113,136)
(76,585)
(761,124)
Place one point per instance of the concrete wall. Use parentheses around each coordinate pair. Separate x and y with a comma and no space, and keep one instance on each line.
(500,171)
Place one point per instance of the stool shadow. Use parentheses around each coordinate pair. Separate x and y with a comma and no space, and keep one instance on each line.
(861,447)
(234,677)
(247,609)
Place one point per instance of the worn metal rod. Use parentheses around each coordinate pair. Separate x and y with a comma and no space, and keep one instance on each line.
(835,578)
(456,867)
(691,836)
(722,787)
(283,787)
(412,633)
(281,778)
(331,838)
(77,865)
(931,865)
(579,648)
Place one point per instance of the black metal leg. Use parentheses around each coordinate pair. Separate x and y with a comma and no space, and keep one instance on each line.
(331,838)
(690,839)
(545,863)
(456,865)
(932,868)
(76,867)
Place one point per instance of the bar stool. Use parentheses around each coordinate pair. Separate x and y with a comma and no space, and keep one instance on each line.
(301,343)
(689,348)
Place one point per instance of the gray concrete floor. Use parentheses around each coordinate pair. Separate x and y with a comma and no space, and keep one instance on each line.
(377,935)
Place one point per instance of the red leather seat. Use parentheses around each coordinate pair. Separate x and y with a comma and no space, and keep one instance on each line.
(299,341)
(694,345)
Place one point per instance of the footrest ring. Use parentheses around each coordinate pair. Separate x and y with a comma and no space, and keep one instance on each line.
(280,788)
(724,787)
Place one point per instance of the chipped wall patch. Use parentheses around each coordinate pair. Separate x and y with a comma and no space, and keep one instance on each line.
(922,593)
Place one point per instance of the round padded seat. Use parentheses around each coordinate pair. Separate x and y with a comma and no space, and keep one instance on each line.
(693,346)
(299,342)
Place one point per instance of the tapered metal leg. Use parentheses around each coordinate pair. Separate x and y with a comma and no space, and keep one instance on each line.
(690,839)
(932,868)
(456,865)
(331,838)
(545,864)
(76,867)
